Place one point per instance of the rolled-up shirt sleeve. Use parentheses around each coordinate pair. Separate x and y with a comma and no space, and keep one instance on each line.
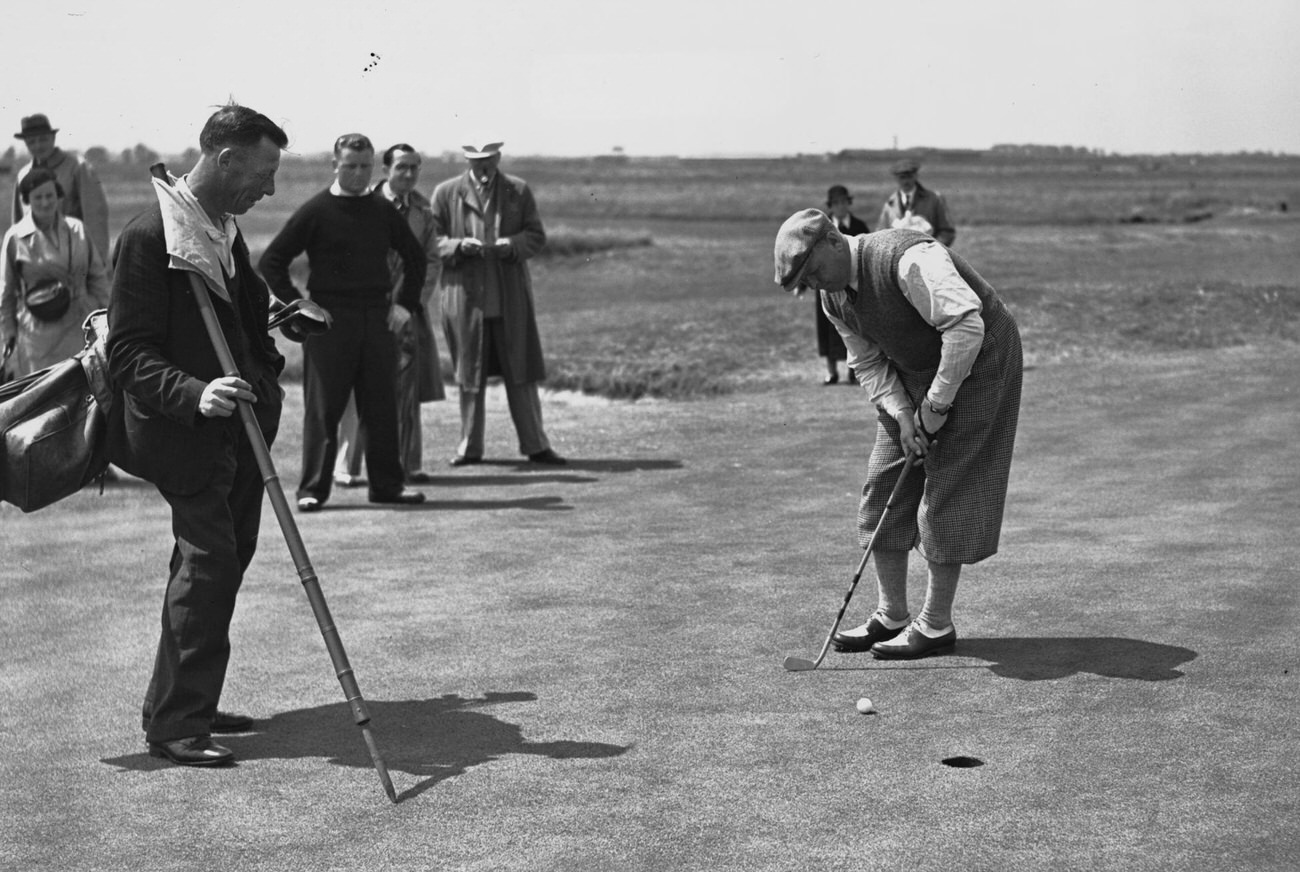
(933,286)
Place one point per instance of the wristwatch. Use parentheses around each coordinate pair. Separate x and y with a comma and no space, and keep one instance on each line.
(938,411)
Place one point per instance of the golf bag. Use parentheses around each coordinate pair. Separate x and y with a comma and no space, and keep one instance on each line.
(54,424)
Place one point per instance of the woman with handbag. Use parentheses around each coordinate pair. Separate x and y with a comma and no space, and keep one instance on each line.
(52,279)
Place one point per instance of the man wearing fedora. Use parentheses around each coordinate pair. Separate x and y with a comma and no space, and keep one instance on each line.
(915,206)
(83,195)
(939,355)
(486,227)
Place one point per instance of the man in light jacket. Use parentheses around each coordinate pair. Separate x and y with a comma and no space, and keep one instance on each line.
(487,227)
(83,194)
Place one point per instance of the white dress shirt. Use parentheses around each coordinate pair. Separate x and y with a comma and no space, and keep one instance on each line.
(932,285)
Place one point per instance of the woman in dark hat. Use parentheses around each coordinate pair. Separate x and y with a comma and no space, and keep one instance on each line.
(829,343)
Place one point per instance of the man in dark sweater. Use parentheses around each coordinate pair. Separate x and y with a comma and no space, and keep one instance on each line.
(347,232)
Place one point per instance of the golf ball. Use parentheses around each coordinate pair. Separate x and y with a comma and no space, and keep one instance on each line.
(865,706)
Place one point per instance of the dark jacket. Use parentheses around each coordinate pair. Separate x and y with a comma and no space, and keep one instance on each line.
(161,359)
(857,226)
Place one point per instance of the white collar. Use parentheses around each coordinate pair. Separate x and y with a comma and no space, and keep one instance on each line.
(853,262)
(337,190)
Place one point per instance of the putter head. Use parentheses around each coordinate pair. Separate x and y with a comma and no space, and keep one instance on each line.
(798,664)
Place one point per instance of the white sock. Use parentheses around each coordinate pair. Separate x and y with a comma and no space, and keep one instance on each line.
(888,622)
(929,631)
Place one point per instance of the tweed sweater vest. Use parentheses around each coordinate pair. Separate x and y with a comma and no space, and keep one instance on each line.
(881,313)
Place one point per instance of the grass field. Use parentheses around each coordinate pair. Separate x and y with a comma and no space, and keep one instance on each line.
(659,278)
(579,669)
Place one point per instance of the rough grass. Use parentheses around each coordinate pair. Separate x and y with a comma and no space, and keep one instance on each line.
(656,280)
(565,241)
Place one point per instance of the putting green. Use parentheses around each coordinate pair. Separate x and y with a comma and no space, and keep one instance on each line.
(579,668)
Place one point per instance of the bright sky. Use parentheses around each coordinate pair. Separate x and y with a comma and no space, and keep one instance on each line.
(687,77)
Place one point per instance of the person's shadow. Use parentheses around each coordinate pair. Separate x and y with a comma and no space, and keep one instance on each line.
(433,739)
(1044,658)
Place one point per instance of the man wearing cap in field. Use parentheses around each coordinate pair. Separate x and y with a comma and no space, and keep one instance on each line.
(939,355)
(914,206)
(83,195)
(487,227)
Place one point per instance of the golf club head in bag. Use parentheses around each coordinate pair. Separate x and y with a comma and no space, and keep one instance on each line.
(300,319)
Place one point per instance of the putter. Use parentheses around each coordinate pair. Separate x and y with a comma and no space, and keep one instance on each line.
(799,664)
(292,536)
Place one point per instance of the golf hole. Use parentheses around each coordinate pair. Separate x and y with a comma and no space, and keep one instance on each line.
(962,762)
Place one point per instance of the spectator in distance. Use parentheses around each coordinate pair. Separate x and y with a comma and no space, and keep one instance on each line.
(487,227)
(347,231)
(419,377)
(53,277)
(829,344)
(914,206)
(83,195)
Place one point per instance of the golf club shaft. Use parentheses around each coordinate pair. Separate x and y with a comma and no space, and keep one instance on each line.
(866,555)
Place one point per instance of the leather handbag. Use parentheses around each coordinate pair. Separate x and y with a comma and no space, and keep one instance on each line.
(48,301)
(54,425)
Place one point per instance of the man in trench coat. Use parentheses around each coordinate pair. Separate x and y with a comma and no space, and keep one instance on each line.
(486,228)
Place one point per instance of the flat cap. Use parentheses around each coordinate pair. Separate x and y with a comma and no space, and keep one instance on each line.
(487,149)
(904,166)
(795,241)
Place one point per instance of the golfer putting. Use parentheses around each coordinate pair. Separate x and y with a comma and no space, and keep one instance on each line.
(939,355)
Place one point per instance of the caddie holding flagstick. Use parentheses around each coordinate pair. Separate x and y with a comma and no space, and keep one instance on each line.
(177,426)
(939,355)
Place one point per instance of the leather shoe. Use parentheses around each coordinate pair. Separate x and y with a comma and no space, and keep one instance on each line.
(914,644)
(403,497)
(194,751)
(419,477)
(309,504)
(462,460)
(832,379)
(548,457)
(229,722)
(863,637)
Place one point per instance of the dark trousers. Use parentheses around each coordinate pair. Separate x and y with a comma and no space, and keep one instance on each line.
(357,357)
(216,535)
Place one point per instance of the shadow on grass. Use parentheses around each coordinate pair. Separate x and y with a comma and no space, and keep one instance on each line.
(536,504)
(610,464)
(504,480)
(1046,658)
(432,739)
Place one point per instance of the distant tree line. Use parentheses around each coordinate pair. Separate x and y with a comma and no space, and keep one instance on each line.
(1031,150)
